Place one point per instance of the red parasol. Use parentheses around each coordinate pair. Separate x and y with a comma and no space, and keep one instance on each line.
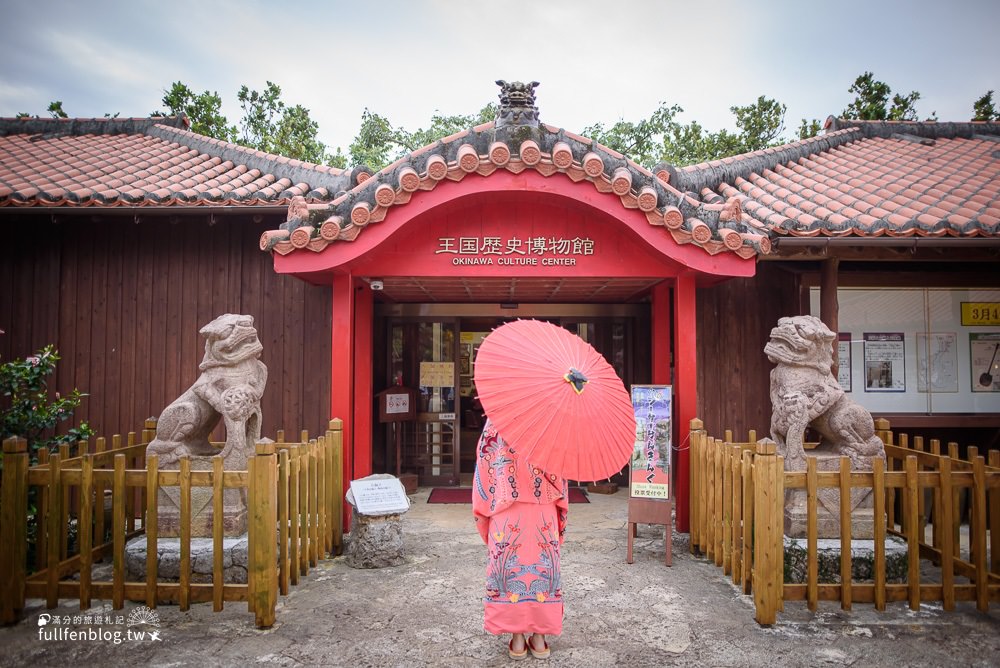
(556,399)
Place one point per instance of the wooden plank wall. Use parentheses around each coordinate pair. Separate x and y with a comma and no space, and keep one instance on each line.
(123,302)
(734,322)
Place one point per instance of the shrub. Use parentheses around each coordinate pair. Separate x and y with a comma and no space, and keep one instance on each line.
(29,412)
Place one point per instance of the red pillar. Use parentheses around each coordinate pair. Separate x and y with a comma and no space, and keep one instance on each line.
(364,304)
(661,318)
(342,360)
(685,388)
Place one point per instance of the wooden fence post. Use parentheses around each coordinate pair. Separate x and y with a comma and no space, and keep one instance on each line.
(263,547)
(696,509)
(13,528)
(768,524)
(336,483)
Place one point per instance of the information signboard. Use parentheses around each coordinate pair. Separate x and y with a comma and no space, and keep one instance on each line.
(379,496)
(649,472)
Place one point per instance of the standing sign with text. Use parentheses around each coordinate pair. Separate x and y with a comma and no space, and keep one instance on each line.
(649,475)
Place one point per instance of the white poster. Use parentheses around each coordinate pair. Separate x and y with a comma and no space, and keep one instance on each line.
(937,362)
(884,362)
(984,351)
(844,361)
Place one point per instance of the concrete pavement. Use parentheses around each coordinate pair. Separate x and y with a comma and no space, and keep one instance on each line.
(427,612)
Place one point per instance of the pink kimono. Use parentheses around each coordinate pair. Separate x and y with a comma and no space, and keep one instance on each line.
(520,513)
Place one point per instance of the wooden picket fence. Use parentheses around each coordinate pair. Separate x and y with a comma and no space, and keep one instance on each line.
(737,520)
(107,496)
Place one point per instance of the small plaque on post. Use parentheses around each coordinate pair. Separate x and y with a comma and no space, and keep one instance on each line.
(378,496)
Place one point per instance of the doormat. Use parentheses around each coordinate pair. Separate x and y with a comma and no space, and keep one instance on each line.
(464,495)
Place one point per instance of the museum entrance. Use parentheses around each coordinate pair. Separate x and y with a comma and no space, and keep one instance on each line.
(431,349)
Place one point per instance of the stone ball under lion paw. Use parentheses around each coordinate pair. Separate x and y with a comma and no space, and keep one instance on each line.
(238,402)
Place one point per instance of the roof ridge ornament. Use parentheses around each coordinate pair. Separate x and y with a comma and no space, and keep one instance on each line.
(517,104)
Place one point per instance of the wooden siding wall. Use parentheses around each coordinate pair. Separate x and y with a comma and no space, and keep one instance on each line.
(123,302)
(734,322)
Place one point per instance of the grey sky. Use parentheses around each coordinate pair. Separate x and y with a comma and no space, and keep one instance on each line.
(597,60)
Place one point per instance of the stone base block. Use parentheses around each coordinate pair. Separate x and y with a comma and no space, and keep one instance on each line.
(234,508)
(828,557)
(828,524)
(234,559)
(375,541)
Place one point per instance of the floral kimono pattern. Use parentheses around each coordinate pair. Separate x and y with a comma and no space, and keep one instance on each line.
(520,512)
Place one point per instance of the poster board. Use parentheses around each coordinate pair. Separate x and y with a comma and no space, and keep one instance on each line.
(649,467)
(650,499)
(933,349)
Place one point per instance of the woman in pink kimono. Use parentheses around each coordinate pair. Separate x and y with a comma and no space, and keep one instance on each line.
(520,513)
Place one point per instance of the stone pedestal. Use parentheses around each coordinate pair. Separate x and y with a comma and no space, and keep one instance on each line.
(168,504)
(862,560)
(376,538)
(234,559)
(376,541)
(862,505)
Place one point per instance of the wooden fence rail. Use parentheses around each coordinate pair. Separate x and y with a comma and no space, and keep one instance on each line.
(737,520)
(90,504)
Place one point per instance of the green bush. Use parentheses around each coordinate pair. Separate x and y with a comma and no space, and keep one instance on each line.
(29,412)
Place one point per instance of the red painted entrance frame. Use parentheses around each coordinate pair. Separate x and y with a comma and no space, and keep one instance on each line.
(373,253)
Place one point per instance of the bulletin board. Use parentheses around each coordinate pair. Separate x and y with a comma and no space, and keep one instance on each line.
(919,350)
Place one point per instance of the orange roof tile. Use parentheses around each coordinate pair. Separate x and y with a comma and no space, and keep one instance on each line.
(147,162)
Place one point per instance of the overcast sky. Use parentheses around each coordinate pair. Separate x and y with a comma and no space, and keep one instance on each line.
(597,60)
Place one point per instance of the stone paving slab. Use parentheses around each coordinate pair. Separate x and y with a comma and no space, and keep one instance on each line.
(427,612)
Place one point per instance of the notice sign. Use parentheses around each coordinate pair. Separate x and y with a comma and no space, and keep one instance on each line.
(437,374)
(397,403)
(884,356)
(844,361)
(649,475)
(984,349)
(378,496)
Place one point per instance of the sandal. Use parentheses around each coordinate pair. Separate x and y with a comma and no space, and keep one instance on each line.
(538,653)
(517,656)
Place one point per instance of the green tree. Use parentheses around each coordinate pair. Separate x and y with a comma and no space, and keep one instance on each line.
(204,111)
(809,128)
(984,109)
(760,124)
(646,140)
(56,109)
(871,101)
(661,138)
(378,143)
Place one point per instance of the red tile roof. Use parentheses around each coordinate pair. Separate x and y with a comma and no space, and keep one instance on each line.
(866,179)
(860,179)
(147,162)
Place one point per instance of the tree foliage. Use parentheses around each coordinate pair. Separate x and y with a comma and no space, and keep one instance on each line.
(204,110)
(984,109)
(267,124)
(872,101)
(662,138)
(378,143)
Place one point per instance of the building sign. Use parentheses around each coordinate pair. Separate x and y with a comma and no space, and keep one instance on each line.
(980,313)
(649,475)
(515,251)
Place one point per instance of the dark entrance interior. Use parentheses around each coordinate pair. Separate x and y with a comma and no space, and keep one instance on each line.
(431,348)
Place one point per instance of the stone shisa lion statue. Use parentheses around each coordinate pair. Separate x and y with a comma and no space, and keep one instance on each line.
(229,388)
(805,394)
